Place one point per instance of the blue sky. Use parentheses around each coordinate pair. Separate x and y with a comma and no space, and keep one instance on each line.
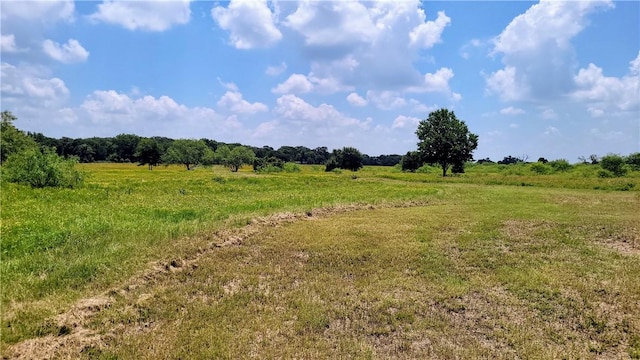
(539,79)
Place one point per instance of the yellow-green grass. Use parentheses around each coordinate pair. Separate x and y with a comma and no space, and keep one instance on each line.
(563,261)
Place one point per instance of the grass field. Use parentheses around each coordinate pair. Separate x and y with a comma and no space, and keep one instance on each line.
(497,262)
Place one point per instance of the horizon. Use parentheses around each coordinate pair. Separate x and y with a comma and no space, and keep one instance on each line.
(329,73)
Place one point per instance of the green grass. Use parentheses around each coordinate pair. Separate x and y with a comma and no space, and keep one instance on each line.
(546,251)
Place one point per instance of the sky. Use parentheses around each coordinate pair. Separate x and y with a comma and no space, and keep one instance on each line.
(533,79)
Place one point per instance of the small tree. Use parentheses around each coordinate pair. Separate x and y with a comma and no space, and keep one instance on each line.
(189,153)
(148,153)
(613,163)
(12,140)
(348,158)
(239,156)
(445,140)
(411,161)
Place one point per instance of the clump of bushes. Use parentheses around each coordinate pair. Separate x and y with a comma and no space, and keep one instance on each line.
(614,164)
(42,168)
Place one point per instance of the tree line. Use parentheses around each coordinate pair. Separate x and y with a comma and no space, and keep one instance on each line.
(127,148)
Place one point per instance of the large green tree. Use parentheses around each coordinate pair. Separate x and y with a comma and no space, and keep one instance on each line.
(445,140)
(348,158)
(189,153)
(12,140)
(148,152)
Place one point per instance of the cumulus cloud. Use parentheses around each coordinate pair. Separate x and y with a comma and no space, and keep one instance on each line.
(549,114)
(144,15)
(356,100)
(369,44)
(41,11)
(296,110)
(603,93)
(537,52)
(405,122)
(296,83)
(71,52)
(386,100)
(512,111)
(8,44)
(233,101)
(32,86)
(276,70)
(250,23)
(429,33)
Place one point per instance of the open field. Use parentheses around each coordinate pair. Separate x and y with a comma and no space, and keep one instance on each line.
(167,263)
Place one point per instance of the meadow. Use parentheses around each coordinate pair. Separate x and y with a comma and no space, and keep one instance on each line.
(497,262)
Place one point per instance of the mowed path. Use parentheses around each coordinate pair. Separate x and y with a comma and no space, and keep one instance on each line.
(505,273)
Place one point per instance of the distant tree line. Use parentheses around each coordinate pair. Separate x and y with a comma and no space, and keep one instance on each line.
(151,151)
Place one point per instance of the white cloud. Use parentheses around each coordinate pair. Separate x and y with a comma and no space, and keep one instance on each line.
(104,111)
(429,33)
(506,85)
(512,111)
(276,70)
(603,93)
(8,44)
(405,122)
(537,51)
(30,85)
(250,23)
(144,15)
(356,100)
(296,83)
(336,23)
(386,100)
(70,52)
(374,45)
(42,11)
(297,111)
(437,82)
(233,101)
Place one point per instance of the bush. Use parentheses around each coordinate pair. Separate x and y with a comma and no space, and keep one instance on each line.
(633,160)
(268,165)
(42,169)
(561,165)
(540,168)
(605,174)
(614,164)
(291,167)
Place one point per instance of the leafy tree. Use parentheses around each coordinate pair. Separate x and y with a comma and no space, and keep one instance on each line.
(189,153)
(411,161)
(39,169)
(633,160)
(221,155)
(445,140)
(12,140)
(239,156)
(270,164)
(543,160)
(348,158)
(125,147)
(148,153)
(613,163)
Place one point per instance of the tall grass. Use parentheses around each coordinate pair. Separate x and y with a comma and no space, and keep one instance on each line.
(60,244)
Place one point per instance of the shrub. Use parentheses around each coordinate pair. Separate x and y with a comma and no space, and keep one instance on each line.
(42,169)
(633,160)
(540,168)
(605,174)
(561,165)
(613,163)
(291,167)
(268,165)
